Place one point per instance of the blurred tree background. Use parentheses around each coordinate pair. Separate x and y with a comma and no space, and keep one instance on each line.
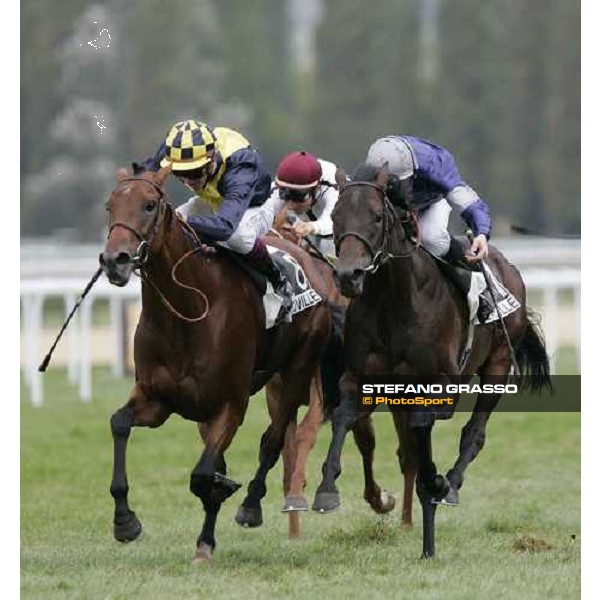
(496,82)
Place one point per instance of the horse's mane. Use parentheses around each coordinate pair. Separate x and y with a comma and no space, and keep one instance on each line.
(365,172)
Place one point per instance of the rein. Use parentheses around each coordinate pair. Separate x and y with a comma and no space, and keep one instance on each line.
(382,255)
(142,253)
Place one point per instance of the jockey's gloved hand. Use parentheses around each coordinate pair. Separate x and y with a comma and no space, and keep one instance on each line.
(479,249)
(304,228)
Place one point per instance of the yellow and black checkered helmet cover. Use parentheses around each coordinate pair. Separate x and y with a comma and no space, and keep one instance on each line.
(189,145)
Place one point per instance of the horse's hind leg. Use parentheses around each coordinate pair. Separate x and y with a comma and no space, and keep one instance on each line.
(408,463)
(208,481)
(249,513)
(282,412)
(364,436)
(472,437)
(137,412)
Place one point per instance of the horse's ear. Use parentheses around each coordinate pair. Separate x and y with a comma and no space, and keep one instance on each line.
(137,168)
(122,174)
(162,175)
(341,178)
(383,176)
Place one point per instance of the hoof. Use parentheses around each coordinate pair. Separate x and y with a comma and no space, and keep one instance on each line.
(203,554)
(381,503)
(249,517)
(326,502)
(127,528)
(440,490)
(388,502)
(294,502)
(223,488)
(450,499)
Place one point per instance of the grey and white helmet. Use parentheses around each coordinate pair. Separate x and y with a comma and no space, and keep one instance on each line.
(395,151)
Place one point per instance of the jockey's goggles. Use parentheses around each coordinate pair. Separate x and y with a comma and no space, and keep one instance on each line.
(191,175)
(291,195)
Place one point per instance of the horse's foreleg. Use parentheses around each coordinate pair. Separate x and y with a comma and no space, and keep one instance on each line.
(289,459)
(289,455)
(137,412)
(345,415)
(364,436)
(303,442)
(431,487)
(208,480)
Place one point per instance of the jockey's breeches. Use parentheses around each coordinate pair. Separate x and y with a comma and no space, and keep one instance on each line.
(434,228)
(255,223)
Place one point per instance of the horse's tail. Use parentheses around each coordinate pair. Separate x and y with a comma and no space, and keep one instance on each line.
(332,363)
(532,356)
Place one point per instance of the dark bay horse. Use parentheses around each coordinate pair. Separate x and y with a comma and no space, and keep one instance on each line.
(301,438)
(200,347)
(406,319)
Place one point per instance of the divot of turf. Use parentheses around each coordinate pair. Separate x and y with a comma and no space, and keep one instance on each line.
(529,543)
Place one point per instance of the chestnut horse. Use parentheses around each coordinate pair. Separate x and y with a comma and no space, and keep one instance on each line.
(200,347)
(407,319)
(300,437)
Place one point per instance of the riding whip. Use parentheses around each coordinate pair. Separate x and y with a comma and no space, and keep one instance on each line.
(42,368)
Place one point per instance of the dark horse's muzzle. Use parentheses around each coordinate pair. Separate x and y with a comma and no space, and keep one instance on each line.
(350,280)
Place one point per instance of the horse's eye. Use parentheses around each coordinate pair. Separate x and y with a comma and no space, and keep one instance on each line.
(378,217)
(150,206)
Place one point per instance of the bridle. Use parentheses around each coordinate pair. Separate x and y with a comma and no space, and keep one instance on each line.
(390,219)
(140,258)
(142,253)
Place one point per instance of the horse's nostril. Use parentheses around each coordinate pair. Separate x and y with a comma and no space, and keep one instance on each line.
(123,258)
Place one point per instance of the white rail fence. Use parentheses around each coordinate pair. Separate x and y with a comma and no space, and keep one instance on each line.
(78,335)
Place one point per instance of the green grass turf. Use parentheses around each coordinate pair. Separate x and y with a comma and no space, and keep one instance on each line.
(515,535)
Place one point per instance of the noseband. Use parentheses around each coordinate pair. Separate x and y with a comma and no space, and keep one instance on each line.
(382,255)
(142,252)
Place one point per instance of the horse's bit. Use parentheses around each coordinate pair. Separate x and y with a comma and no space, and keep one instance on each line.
(379,257)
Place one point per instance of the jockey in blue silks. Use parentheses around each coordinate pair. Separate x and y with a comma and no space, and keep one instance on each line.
(426,179)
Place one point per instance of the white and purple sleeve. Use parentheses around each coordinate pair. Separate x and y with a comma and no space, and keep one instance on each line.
(473,210)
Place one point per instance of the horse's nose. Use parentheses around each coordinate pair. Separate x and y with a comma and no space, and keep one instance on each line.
(110,260)
(115,258)
(348,276)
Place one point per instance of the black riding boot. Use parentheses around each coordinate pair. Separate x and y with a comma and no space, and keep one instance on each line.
(456,257)
(261,259)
